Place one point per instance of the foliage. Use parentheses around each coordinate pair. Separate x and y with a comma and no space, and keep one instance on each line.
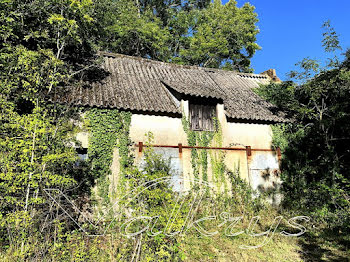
(156,200)
(46,46)
(108,128)
(199,158)
(28,162)
(315,150)
(217,161)
(54,33)
(135,34)
(311,67)
(186,32)
(165,207)
(223,36)
(43,45)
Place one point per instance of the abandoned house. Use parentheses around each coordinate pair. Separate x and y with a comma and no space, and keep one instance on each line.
(161,95)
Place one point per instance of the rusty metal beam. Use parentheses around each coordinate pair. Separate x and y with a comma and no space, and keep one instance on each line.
(140,145)
(255,149)
(249,150)
(198,147)
(180,146)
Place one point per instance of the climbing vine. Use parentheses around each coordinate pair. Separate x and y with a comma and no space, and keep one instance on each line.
(199,158)
(217,158)
(108,128)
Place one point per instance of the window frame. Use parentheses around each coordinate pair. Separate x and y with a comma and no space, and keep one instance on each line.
(202,116)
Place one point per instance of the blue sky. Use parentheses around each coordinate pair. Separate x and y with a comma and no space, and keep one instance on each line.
(291,30)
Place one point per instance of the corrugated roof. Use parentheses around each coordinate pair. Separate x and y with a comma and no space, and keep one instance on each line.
(141,84)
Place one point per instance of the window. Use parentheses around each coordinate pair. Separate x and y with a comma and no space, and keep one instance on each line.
(82,153)
(202,117)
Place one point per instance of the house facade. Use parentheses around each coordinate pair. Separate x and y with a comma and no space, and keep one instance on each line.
(177,102)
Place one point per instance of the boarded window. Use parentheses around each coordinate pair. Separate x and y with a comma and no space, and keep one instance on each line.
(202,117)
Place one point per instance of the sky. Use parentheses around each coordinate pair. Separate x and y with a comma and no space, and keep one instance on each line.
(290,30)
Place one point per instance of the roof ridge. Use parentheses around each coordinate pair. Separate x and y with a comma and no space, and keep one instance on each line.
(206,69)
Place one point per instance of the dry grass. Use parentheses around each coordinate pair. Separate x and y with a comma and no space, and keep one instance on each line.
(225,248)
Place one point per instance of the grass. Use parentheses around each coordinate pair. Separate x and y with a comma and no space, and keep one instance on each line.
(323,244)
(316,245)
(225,248)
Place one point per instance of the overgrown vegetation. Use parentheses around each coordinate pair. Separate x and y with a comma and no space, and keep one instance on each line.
(48,45)
(315,146)
(195,32)
(37,40)
(108,129)
(199,158)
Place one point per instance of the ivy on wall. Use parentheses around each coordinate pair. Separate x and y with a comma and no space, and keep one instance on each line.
(217,158)
(108,128)
(199,157)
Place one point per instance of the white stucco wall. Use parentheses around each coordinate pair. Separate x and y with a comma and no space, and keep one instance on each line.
(169,131)
(166,130)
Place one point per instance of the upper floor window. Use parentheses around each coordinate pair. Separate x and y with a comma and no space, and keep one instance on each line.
(202,116)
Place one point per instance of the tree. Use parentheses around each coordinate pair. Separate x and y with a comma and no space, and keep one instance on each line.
(134,34)
(186,32)
(223,36)
(44,45)
(316,158)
